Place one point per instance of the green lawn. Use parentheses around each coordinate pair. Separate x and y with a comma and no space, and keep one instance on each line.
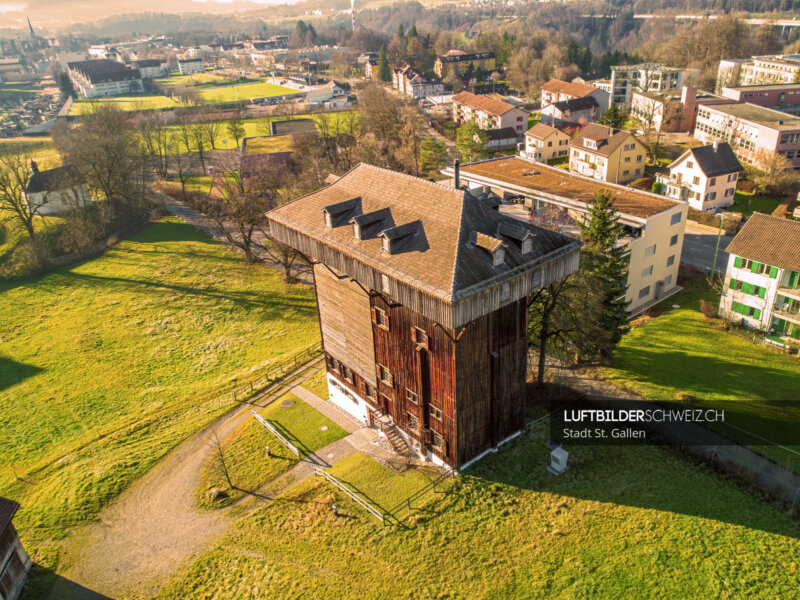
(623,522)
(21,90)
(764,204)
(318,384)
(41,150)
(244,450)
(129,102)
(107,364)
(534,118)
(243,91)
(269,143)
(195,79)
(682,351)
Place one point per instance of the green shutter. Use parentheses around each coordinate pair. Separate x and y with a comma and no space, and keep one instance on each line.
(737,262)
(732,284)
(757,313)
(747,288)
(793,279)
(773,273)
(779,324)
(762,292)
(754,267)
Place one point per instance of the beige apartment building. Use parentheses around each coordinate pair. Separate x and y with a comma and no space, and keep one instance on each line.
(543,143)
(489,113)
(654,225)
(607,154)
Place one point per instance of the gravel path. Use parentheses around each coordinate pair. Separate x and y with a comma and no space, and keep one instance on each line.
(153,526)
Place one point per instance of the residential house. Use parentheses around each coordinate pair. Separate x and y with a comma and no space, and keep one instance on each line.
(644,77)
(422,291)
(150,68)
(459,63)
(784,97)
(14,561)
(57,190)
(409,82)
(607,154)
(366,57)
(653,225)
(762,280)
(705,177)
(189,66)
(575,112)
(557,90)
(670,112)
(103,77)
(750,129)
(371,68)
(544,143)
(488,113)
(500,139)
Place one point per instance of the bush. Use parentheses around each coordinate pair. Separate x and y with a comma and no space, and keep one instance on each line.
(746,185)
(730,224)
(708,308)
(684,397)
(656,187)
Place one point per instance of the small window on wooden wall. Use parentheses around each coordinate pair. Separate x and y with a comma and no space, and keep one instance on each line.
(419,336)
(411,396)
(385,375)
(347,373)
(412,420)
(380,318)
(369,391)
(334,364)
(438,441)
(436,413)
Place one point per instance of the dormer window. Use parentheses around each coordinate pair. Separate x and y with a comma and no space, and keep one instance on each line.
(395,238)
(366,225)
(493,246)
(333,213)
(527,245)
(328,219)
(590,144)
(498,256)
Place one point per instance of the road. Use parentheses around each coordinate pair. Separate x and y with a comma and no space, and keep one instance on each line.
(698,248)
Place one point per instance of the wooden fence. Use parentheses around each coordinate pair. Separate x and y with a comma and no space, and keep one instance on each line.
(274,431)
(374,511)
(418,494)
(276,372)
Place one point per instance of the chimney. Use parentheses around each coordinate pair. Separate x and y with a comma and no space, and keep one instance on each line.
(34,167)
(716,145)
(457,170)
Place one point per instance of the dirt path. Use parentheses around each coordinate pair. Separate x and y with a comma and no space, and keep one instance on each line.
(153,526)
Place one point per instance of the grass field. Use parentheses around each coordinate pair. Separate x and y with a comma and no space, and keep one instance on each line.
(242,91)
(130,102)
(270,143)
(41,150)
(205,78)
(18,90)
(318,384)
(107,364)
(682,351)
(764,204)
(634,522)
(244,450)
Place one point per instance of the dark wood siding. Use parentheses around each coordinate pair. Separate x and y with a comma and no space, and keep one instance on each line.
(490,362)
(427,372)
(344,314)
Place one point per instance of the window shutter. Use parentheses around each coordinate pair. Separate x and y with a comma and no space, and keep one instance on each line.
(735,307)
(757,313)
(372,312)
(388,321)
(754,267)
(732,284)
(737,262)
(773,273)
(762,292)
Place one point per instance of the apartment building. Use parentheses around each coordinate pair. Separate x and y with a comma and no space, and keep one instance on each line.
(784,97)
(654,225)
(705,177)
(189,66)
(557,90)
(488,113)
(543,143)
(645,77)
(409,82)
(749,129)
(770,69)
(14,561)
(607,154)
(762,281)
(458,63)
(103,77)
(150,68)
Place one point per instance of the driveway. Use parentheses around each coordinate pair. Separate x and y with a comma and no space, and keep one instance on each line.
(698,249)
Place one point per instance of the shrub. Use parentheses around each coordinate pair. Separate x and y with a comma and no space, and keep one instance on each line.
(746,185)
(684,397)
(708,308)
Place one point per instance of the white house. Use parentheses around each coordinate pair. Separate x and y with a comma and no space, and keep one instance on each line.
(411,83)
(188,66)
(543,143)
(575,111)
(557,90)
(705,177)
(55,191)
(762,281)
(489,113)
(151,68)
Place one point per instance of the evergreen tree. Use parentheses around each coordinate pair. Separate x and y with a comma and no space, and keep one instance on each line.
(401,33)
(65,85)
(603,261)
(469,141)
(413,31)
(613,117)
(383,66)
(433,155)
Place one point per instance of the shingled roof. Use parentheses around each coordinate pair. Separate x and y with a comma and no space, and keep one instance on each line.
(540,131)
(576,104)
(570,88)
(482,103)
(438,257)
(7,510)
(769,240)
(713,161)
(53,180)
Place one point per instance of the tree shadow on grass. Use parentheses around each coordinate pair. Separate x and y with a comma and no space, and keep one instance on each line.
(60,588)
(13,372)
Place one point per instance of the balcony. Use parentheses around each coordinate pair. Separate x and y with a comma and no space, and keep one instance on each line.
(789,292)
(787,313)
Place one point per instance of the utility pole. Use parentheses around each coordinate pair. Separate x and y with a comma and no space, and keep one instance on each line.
(716,250)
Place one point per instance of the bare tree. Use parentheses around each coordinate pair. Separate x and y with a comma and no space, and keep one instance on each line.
(155,134)
(211,129)
(14,177)
(771,172)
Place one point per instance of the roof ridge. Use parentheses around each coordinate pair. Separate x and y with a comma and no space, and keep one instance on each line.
(407,175)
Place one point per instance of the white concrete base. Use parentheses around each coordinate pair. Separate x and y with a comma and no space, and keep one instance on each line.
(472,461)
(347,400)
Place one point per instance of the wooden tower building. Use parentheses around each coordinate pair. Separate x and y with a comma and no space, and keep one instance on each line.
(422,291)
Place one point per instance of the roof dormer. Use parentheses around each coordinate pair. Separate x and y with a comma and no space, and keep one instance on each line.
(493,246)
(362,224)
(334,213)
(395,237)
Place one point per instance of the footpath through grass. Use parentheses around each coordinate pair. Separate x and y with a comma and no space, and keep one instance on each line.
(245,455)
(108,364)
(623,522)
(682,355)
